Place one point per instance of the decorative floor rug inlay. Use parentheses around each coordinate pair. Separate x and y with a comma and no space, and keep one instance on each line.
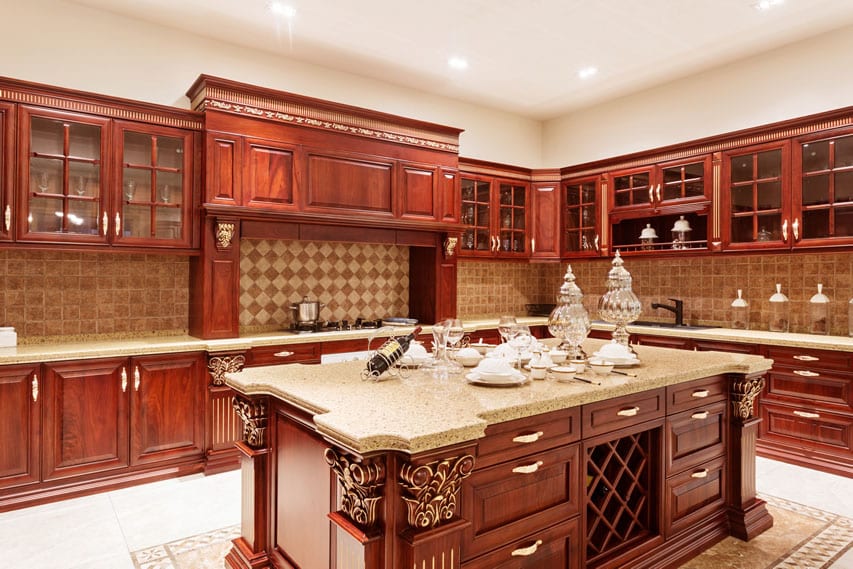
(802,537)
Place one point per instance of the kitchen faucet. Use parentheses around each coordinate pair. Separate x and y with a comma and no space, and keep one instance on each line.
(677,309)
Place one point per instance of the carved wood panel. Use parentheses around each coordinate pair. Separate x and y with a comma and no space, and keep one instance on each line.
(269,177)
(20,414)
(338,182)
(417,190)
(223,169)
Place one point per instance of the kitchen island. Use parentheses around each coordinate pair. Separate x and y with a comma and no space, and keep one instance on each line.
(414,471)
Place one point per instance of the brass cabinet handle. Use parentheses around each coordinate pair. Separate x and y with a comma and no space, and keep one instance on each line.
(806,373)
(796,227)
(651,194)
(629,412)
(807,358)
(136,378)
(527,439)
(118,224)
(807,414)
(104,222)
(35,385)
(699,415)
(532,244)
(123,379)
(700,473)
(785,231)
(283,354)
(528,468)
(657,192)
(8,217)
(700,393)
(597,248)
(526,551)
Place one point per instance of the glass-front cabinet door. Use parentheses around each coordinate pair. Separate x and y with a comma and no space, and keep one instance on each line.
(823,190)
(7,162)
(62,172)
(512,219)
(757,197)
(477,238)
(494,214)
(581,231)
(155,189)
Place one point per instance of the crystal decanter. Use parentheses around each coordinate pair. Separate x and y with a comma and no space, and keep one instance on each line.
(619,305)
(569,321)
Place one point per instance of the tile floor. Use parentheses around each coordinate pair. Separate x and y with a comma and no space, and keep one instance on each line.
(101,531)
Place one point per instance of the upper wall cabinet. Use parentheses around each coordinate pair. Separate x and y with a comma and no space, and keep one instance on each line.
(95,170)
(582,217)
(494,216)
(313,160)
(545,198)
(7,162)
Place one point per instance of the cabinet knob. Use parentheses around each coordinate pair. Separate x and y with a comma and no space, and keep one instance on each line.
(699,415)
(526,551)
(527,439)
(629,412)
(806,373)
(700,393)
(700,473)
(528,468)
(35,387)
(807,414)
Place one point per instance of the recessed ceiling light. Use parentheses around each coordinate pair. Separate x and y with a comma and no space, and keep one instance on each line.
(457,62)
(765,5)
(587,72)
(282,9)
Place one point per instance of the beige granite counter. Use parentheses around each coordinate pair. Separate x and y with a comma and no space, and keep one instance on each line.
(417,412)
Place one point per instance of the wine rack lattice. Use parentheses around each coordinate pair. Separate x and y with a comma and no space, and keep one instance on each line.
(619,482)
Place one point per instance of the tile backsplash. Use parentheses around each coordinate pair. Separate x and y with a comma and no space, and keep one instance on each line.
(51,295)
(707,284)
(352,280)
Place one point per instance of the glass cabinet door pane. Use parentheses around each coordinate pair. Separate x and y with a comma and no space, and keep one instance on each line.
(467,190)
(169,188)
(137,149)
(483,192)
(47,136)
(769,195)
(170,152)
(84,179)
(136,221)
(168,223)
(844,152)
(82,217)
(844,187)
(46,175)
(769,164)
(84,141)
(816,156)
(816,190)
(815,224)
(742,168)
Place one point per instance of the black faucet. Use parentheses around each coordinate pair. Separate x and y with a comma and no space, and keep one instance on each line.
(677,308)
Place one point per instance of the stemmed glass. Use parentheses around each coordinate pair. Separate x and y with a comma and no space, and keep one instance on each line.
(521,339)
(439,342)
(455,332)
(506,324)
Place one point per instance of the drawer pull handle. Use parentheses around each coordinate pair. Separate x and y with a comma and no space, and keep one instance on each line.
(630,412)
(528,468)
(700,393)
(806,373)
(283,354)
(527,439)
(699,415)
(700,473)
(526,551)
(807,414)
(807,358)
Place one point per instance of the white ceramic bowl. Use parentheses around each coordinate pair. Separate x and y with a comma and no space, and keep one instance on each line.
(614,351)
(468,357)
(558,356)
(563,372)
(481,347)
(601,367)
(494,366)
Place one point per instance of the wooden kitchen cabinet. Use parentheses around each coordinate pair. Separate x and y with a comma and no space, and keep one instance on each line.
(494,216)
(21,396)
(545,216)
(581,234)
(7,170)
(269,175)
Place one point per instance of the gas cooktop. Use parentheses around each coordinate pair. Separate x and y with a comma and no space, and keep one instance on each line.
(335,326)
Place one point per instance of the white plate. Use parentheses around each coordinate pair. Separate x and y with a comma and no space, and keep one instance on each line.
(619,362)
(510,381)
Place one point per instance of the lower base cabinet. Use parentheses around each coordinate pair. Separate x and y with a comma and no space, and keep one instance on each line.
(20,425)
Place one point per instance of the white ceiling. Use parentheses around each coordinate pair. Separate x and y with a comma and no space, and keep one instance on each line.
(523,55)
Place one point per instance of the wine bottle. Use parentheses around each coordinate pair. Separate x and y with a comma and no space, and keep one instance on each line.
(389,352)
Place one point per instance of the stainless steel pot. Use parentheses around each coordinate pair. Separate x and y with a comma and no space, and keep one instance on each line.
(307,310)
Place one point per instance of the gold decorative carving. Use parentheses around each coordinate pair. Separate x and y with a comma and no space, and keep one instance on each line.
(254,414)
(220,365)
(450,246)
(744,392)
(362,484)
(224,234)
(431,490)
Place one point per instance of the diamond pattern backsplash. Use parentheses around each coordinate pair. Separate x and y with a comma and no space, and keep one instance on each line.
(352,280)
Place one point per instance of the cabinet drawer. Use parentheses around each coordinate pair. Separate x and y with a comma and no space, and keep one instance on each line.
(612,414)
(694,494)
(513,498)
(274,355)
(695,436)
(696,393)
(557,547)
(816,388)
(810,359)
(514,439)
(808,427)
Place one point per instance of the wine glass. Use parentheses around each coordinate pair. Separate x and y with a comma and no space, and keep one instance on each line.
(505,326)
(439,341)
(165,193)
(521,339)
(80,187)
(455,332)
(130,190)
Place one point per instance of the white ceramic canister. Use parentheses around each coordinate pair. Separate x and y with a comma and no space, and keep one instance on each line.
(8,337)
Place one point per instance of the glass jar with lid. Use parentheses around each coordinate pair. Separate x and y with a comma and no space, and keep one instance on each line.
(779,311)
(740,312)
(819,312)
(647,237)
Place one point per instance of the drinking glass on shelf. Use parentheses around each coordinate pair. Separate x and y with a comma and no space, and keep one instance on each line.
(80,187)
(129,190)
(505,326)
(165,193)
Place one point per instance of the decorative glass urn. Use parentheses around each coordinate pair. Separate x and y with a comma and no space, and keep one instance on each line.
(569,321)
(619,305)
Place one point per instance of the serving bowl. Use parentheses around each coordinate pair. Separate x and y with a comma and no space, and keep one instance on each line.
(601,367)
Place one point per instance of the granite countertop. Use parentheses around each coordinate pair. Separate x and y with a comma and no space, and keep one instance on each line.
(51,352)
(417,412)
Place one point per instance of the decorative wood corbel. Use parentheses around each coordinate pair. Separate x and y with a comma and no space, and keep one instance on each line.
(431,491)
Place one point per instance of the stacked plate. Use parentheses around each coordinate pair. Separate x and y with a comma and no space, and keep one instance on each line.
(496,373)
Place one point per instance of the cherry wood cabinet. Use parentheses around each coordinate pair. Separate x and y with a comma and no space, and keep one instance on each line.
(546,200)
(581,229)
(495,216)
(7,170)
(21,396)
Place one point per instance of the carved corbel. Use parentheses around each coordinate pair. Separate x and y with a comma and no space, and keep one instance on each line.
(255,416)
(431,491)
(362,484)
(224,233)
(744,392)
(450,246)
(220,365)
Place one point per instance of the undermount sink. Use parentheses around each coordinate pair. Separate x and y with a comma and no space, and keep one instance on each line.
(669,325)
